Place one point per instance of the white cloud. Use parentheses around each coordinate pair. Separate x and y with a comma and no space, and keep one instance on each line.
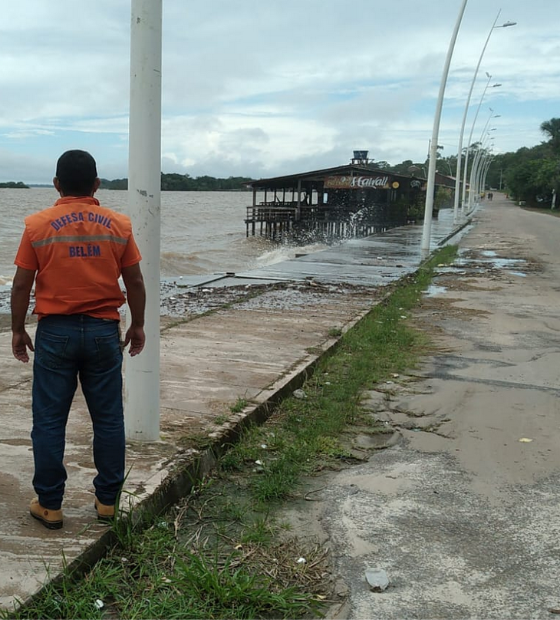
(258,87)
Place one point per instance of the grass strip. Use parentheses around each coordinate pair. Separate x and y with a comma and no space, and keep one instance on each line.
(222,553)
(305,432)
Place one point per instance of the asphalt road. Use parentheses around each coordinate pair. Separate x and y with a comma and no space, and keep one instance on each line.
(463,513)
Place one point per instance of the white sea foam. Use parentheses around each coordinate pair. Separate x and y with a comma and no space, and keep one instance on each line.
(286,252)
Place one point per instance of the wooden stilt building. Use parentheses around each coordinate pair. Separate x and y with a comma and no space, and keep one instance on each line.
(347,201)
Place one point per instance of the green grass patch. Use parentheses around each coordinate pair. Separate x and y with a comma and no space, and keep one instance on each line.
(381,344)
(158,577)
(335,332)
(239,405)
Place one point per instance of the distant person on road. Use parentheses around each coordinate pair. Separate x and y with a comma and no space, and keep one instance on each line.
(75,252)
(490,196)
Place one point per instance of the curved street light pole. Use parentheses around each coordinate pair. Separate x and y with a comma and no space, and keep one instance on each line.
(428,209)
(474,194)
(464,193)
(489,157)
(489,161)
(460,150)
(481,167)
(473,179)
(483,170)
(479,164)
(473,189)
(481,139)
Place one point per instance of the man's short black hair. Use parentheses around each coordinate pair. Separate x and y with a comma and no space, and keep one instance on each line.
(76,172)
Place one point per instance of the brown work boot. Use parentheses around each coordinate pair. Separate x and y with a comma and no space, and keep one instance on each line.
(104,512)
(51,519)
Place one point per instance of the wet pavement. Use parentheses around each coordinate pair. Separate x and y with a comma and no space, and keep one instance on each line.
(258,349)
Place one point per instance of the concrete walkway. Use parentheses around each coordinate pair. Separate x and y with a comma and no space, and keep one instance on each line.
(256,350)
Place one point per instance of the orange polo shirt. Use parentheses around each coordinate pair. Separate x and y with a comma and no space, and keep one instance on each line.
(78,249)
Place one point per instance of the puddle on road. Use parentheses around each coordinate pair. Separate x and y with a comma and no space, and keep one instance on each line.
(503,263)
(444,271)
(491,259)
(472,262)
(434,290)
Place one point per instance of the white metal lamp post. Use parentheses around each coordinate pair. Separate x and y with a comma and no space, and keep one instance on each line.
(484,164)
(460,149)
(144,184)
(473,182)
(428,209)
(489,161)
(460,152)
(478,167)
(467,153)
(492,115)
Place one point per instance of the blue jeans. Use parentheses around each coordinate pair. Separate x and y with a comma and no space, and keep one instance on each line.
(68,347)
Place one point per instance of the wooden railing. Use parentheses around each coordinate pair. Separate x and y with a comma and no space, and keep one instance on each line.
(271,212)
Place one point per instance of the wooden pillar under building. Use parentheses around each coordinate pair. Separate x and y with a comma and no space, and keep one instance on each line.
(298,212)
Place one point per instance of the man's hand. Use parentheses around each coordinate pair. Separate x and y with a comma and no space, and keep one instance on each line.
(136,337)
(136,298)
(21,341)
(21,289)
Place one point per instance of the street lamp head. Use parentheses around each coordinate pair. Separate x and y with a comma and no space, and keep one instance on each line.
(505,25)
(495,85)
(488,75)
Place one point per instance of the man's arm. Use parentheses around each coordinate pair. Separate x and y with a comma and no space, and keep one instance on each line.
(136,297)
(21,291)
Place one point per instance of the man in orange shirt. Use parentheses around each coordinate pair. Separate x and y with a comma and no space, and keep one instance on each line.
(75,252)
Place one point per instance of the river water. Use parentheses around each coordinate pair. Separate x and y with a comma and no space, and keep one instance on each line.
(201,232)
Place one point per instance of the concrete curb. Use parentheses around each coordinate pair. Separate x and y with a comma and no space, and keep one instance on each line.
(456,231)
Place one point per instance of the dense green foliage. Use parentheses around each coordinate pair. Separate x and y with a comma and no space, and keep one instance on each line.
(14,185)
(185,183)
(531,174)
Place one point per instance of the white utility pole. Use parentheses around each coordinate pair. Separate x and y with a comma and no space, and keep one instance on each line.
(493,27)
(428,209)
(144,187)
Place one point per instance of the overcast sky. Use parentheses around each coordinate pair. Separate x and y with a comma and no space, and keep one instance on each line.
(268,87)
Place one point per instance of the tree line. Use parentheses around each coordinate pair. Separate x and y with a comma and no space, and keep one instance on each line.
(14,185)
(185,183)
(530,174)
